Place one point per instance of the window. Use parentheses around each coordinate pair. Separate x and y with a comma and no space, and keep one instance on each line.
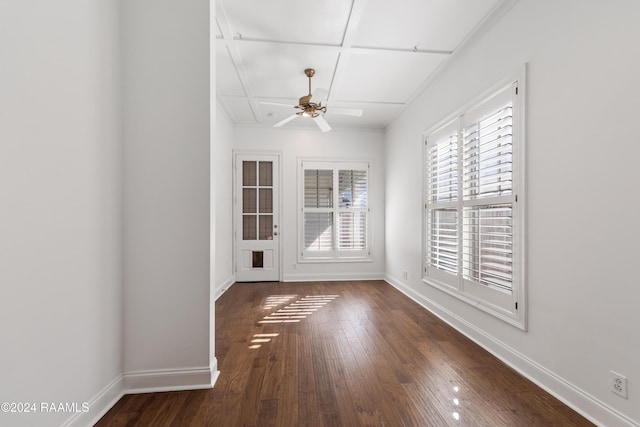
(474,213)
(334,211)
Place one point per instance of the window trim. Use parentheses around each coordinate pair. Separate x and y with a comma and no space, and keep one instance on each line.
(335,255)
(514,310)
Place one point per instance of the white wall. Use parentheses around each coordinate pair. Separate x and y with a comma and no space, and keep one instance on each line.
(72,229)
(166,194)
(60,198)
(221,169)
(295,143)
(583,95)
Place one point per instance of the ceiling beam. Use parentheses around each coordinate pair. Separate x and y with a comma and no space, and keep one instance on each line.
(351,29)
(332,48)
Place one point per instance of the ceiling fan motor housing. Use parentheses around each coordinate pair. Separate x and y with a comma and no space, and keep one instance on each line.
(305,100)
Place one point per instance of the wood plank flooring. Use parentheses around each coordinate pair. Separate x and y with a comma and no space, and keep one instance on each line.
(344,354)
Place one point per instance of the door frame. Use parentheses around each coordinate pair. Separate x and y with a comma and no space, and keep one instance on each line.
(237,232)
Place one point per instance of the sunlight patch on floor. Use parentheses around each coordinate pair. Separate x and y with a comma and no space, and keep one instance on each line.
(295,312)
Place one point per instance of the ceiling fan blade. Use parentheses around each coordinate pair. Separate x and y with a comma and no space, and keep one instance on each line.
(322,123)
(356,112)
(277,104)
(285,121)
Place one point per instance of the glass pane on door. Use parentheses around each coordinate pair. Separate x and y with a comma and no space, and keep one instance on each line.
(265,232)
(266,174)
(249,200)
(248,173)
(266,200)
(249,229)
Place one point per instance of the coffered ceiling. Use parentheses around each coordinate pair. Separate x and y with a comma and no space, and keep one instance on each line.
(373,55)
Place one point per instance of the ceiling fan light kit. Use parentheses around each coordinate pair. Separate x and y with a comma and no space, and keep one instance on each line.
(312,109)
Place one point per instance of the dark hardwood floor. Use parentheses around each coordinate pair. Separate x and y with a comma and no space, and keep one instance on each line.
(344,354)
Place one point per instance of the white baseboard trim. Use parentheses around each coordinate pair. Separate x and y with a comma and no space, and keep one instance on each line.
(99,404)
(144,382)
(331,277)
(582,402)
(170,379)
(222,288)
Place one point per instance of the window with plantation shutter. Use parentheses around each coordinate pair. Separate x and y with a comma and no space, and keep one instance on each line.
(335,211)
(474,217)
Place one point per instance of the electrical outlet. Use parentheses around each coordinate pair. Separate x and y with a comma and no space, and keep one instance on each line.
(619,384)
(405,275)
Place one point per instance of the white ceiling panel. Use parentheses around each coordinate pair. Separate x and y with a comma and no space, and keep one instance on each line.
(321,21)
(277,71)
(228,82)
(421,24)
(373,116)
(239,109)
(385,76)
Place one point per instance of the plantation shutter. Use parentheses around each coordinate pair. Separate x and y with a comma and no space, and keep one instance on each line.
(318,231)
(352,203)
(488,245)
(488,156)
(487,198)
(318,201)
(318,188)
(441,197)
(442,170)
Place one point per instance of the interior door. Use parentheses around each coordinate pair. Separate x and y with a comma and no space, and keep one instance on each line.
(257,218)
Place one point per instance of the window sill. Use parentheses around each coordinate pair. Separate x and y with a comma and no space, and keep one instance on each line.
(511,317)
(324,260)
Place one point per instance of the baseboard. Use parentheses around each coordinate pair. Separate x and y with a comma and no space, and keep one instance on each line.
(99,404)
(582,402)
(170,379)
(222,288)
(331,277)
(144,382)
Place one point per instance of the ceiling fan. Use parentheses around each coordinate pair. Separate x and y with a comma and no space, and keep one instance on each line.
(313,109)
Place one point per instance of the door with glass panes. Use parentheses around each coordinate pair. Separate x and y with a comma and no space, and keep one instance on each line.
(257,226)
